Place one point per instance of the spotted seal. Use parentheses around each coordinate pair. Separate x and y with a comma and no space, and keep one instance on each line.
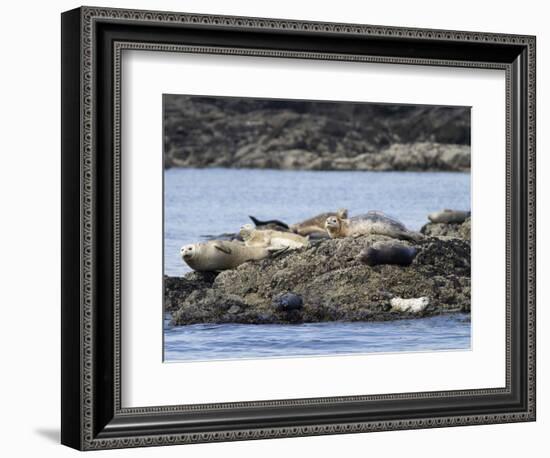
(413,305)
(316,224)
(271,238)
(216,255)
(373,222)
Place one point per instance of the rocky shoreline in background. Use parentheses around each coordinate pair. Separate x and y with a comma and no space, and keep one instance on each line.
(412,157)
(201,132)
(327,282)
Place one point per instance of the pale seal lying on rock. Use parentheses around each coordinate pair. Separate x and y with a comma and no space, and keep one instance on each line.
(449,216)
(270,238)
(387,253)
(415,305)
(317,223)
(373,222)
(216,255)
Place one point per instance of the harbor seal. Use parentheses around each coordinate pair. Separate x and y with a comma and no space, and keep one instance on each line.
(414,305)
(447,216)
(373,222)
(288,302)
(271,238)
(216,255)
(387,253)
(316,225)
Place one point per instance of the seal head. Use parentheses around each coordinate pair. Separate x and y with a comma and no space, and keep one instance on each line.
(188,252)
(333,225)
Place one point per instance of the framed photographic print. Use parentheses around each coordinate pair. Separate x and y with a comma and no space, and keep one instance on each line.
(276,228)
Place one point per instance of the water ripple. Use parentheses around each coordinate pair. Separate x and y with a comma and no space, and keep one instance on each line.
(234,341)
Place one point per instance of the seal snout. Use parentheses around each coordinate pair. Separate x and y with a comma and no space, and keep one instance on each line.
(331,221)
(187,251)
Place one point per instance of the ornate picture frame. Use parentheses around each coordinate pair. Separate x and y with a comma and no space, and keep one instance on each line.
(92,42)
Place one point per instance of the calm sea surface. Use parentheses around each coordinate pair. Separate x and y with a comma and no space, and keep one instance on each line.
(232,341)
(206,202)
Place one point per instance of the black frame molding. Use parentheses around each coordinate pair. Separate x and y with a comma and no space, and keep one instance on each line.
(93,40)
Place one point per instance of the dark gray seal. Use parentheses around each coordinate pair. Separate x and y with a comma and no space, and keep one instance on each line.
(387,253)
(288,302)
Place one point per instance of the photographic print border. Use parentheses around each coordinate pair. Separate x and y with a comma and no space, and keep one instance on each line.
(93,40)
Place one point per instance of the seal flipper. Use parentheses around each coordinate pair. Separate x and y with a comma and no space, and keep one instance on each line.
(222,247)
(274,252)
(256,221)
(275,222)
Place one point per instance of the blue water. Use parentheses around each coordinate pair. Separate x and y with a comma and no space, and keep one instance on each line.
(233,341)
(202,202)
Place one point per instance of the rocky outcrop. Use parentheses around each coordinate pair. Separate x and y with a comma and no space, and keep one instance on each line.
(452,230)
(177,287)
(255,133)
(325,282)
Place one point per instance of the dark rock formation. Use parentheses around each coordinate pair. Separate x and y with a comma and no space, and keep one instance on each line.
(325,282)
(175,288)
(302,135)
